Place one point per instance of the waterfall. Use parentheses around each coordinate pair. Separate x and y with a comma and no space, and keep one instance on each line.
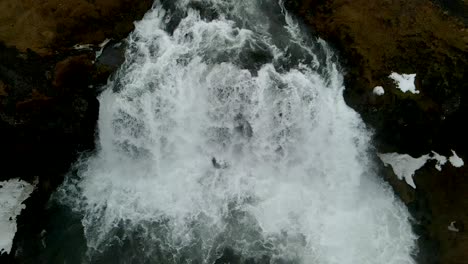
(225,138)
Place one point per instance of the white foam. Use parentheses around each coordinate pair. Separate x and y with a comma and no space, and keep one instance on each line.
(379,90)
(405,82)
(291,176)
(12,194)
(404,165)
(455,160)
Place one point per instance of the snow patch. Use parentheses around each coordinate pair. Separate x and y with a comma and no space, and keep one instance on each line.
(12,194)
(405,82)
(404,165)
(455,160)
(83,46)
(101,48)
(379,90)
(93,47)
(441,160)
(452,227)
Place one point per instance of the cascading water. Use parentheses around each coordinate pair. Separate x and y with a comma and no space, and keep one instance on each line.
(225,138)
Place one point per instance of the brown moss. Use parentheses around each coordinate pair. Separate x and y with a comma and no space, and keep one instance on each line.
(45,26)
(388,35)
(3,89)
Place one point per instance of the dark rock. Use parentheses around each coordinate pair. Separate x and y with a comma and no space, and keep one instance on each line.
(110,59)
(457,8)
(48,90)
(215,163)
(44,124)
(72,73)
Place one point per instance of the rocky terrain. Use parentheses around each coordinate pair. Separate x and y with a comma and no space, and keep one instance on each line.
(430,39)
(48,106)
(48,89)
(53,26)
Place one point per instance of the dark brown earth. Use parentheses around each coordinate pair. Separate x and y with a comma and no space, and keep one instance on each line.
(50,26)
(48,90)
(375,38)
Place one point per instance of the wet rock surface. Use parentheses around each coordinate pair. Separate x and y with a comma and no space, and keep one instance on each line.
(429,38)
(48,94)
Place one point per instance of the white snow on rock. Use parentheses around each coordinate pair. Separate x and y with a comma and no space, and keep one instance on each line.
(441,160)
(83,46)
(92,46)
(405,82)
(101,47)
(379,90)
(12,194)
(455,160)
(404,165)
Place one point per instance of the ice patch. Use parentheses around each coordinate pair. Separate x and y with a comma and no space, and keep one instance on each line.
(12,194)
(405,82)
(455,160)
(404,165)
(379,90)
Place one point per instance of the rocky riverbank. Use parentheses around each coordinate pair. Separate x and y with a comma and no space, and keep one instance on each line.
(48,89)
(429,39)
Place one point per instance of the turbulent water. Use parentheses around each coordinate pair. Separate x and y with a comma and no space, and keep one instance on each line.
(225,138)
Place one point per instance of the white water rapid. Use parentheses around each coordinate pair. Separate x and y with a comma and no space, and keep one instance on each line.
(225,138)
